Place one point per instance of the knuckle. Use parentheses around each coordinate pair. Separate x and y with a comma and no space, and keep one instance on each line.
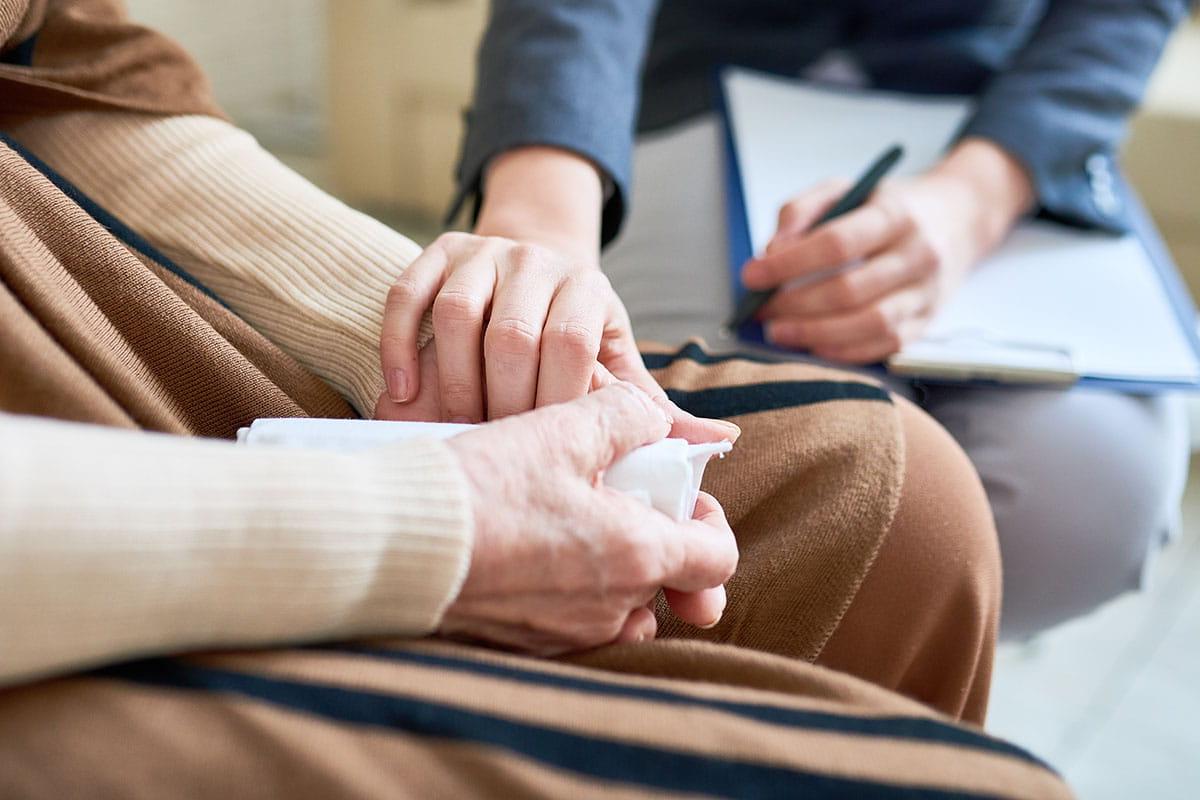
(597,282)
(452,240)
(573,339)
(628,555)
(527,256)
(455,306)
(839,248)
(845,292)
(879,322)
(402,294)
(512,336)
(456,391)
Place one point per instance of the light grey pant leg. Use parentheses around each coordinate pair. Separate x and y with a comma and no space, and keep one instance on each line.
(1084,484)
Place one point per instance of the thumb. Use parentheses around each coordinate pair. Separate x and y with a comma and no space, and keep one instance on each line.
(599,428)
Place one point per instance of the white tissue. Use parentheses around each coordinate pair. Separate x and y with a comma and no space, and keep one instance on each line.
(666,475)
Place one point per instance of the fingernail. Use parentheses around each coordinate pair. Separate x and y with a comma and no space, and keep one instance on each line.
(460,420)
(712,624)
(734,430)
(397,383)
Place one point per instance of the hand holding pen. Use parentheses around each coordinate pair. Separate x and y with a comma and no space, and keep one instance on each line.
(856,285)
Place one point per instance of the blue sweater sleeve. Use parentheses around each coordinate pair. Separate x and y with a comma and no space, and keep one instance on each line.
(561,73)
(1062,106)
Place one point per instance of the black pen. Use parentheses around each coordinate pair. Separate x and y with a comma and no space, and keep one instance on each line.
(858,194)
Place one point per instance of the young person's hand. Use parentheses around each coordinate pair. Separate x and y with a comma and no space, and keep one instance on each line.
(517,326)
(898,257)
(521,310)
(561,562)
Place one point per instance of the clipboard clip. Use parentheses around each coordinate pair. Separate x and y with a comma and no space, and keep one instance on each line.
(974,354)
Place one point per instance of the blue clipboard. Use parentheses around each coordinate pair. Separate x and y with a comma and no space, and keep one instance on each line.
(1141,225)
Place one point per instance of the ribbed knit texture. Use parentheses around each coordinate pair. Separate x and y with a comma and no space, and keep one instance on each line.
(308,272)
(117,543)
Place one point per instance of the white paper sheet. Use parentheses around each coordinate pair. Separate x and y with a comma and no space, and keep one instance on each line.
(1052,300)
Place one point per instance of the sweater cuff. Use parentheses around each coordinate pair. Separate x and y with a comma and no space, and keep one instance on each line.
(1075,176)
(118,544)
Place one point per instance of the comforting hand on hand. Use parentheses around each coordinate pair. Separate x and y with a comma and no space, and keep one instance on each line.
(515,318)
(896,259)
(563,563)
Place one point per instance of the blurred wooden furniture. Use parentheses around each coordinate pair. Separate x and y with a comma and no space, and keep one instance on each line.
(400,76)
(1163,154)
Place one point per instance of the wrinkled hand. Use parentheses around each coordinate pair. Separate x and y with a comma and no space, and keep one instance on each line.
(562,563)
(516,327)
(860,287)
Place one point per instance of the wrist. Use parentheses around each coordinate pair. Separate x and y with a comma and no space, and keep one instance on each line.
(545,196)
(994,182)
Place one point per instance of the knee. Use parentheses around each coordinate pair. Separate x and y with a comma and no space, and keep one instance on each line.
(944,531)
(924,620)
(1084,486)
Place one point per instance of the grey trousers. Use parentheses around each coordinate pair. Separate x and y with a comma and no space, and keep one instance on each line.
(1085,484)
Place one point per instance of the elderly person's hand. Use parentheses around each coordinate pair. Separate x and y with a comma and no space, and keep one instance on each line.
(560,561)
(858,288)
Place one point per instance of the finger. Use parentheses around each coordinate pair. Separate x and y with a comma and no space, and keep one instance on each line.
(640,626)
(703,609)
(853,288)
(458,313)
(426,404)
(855,236)
(880,322)
(570,343)
(594,431)
(407,301)
(619,351)
(874,351)
(705,552)
(601,377)
(512,344)
(800,213)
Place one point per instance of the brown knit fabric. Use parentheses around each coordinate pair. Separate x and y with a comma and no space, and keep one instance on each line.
(100,334)
(87,54)
(811,489)
(436,720)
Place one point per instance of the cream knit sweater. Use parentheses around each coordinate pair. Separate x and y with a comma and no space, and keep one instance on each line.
(115,543)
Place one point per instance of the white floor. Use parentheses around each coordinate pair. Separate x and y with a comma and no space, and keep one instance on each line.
(1113,700)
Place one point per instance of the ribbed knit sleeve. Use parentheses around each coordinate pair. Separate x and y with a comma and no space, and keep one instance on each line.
(307,271)
(118,543)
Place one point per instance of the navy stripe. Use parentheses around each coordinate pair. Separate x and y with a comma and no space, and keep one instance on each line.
(694,352)
(597,758)
(22,54)
(730,401)
(117,228)
(922,729)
